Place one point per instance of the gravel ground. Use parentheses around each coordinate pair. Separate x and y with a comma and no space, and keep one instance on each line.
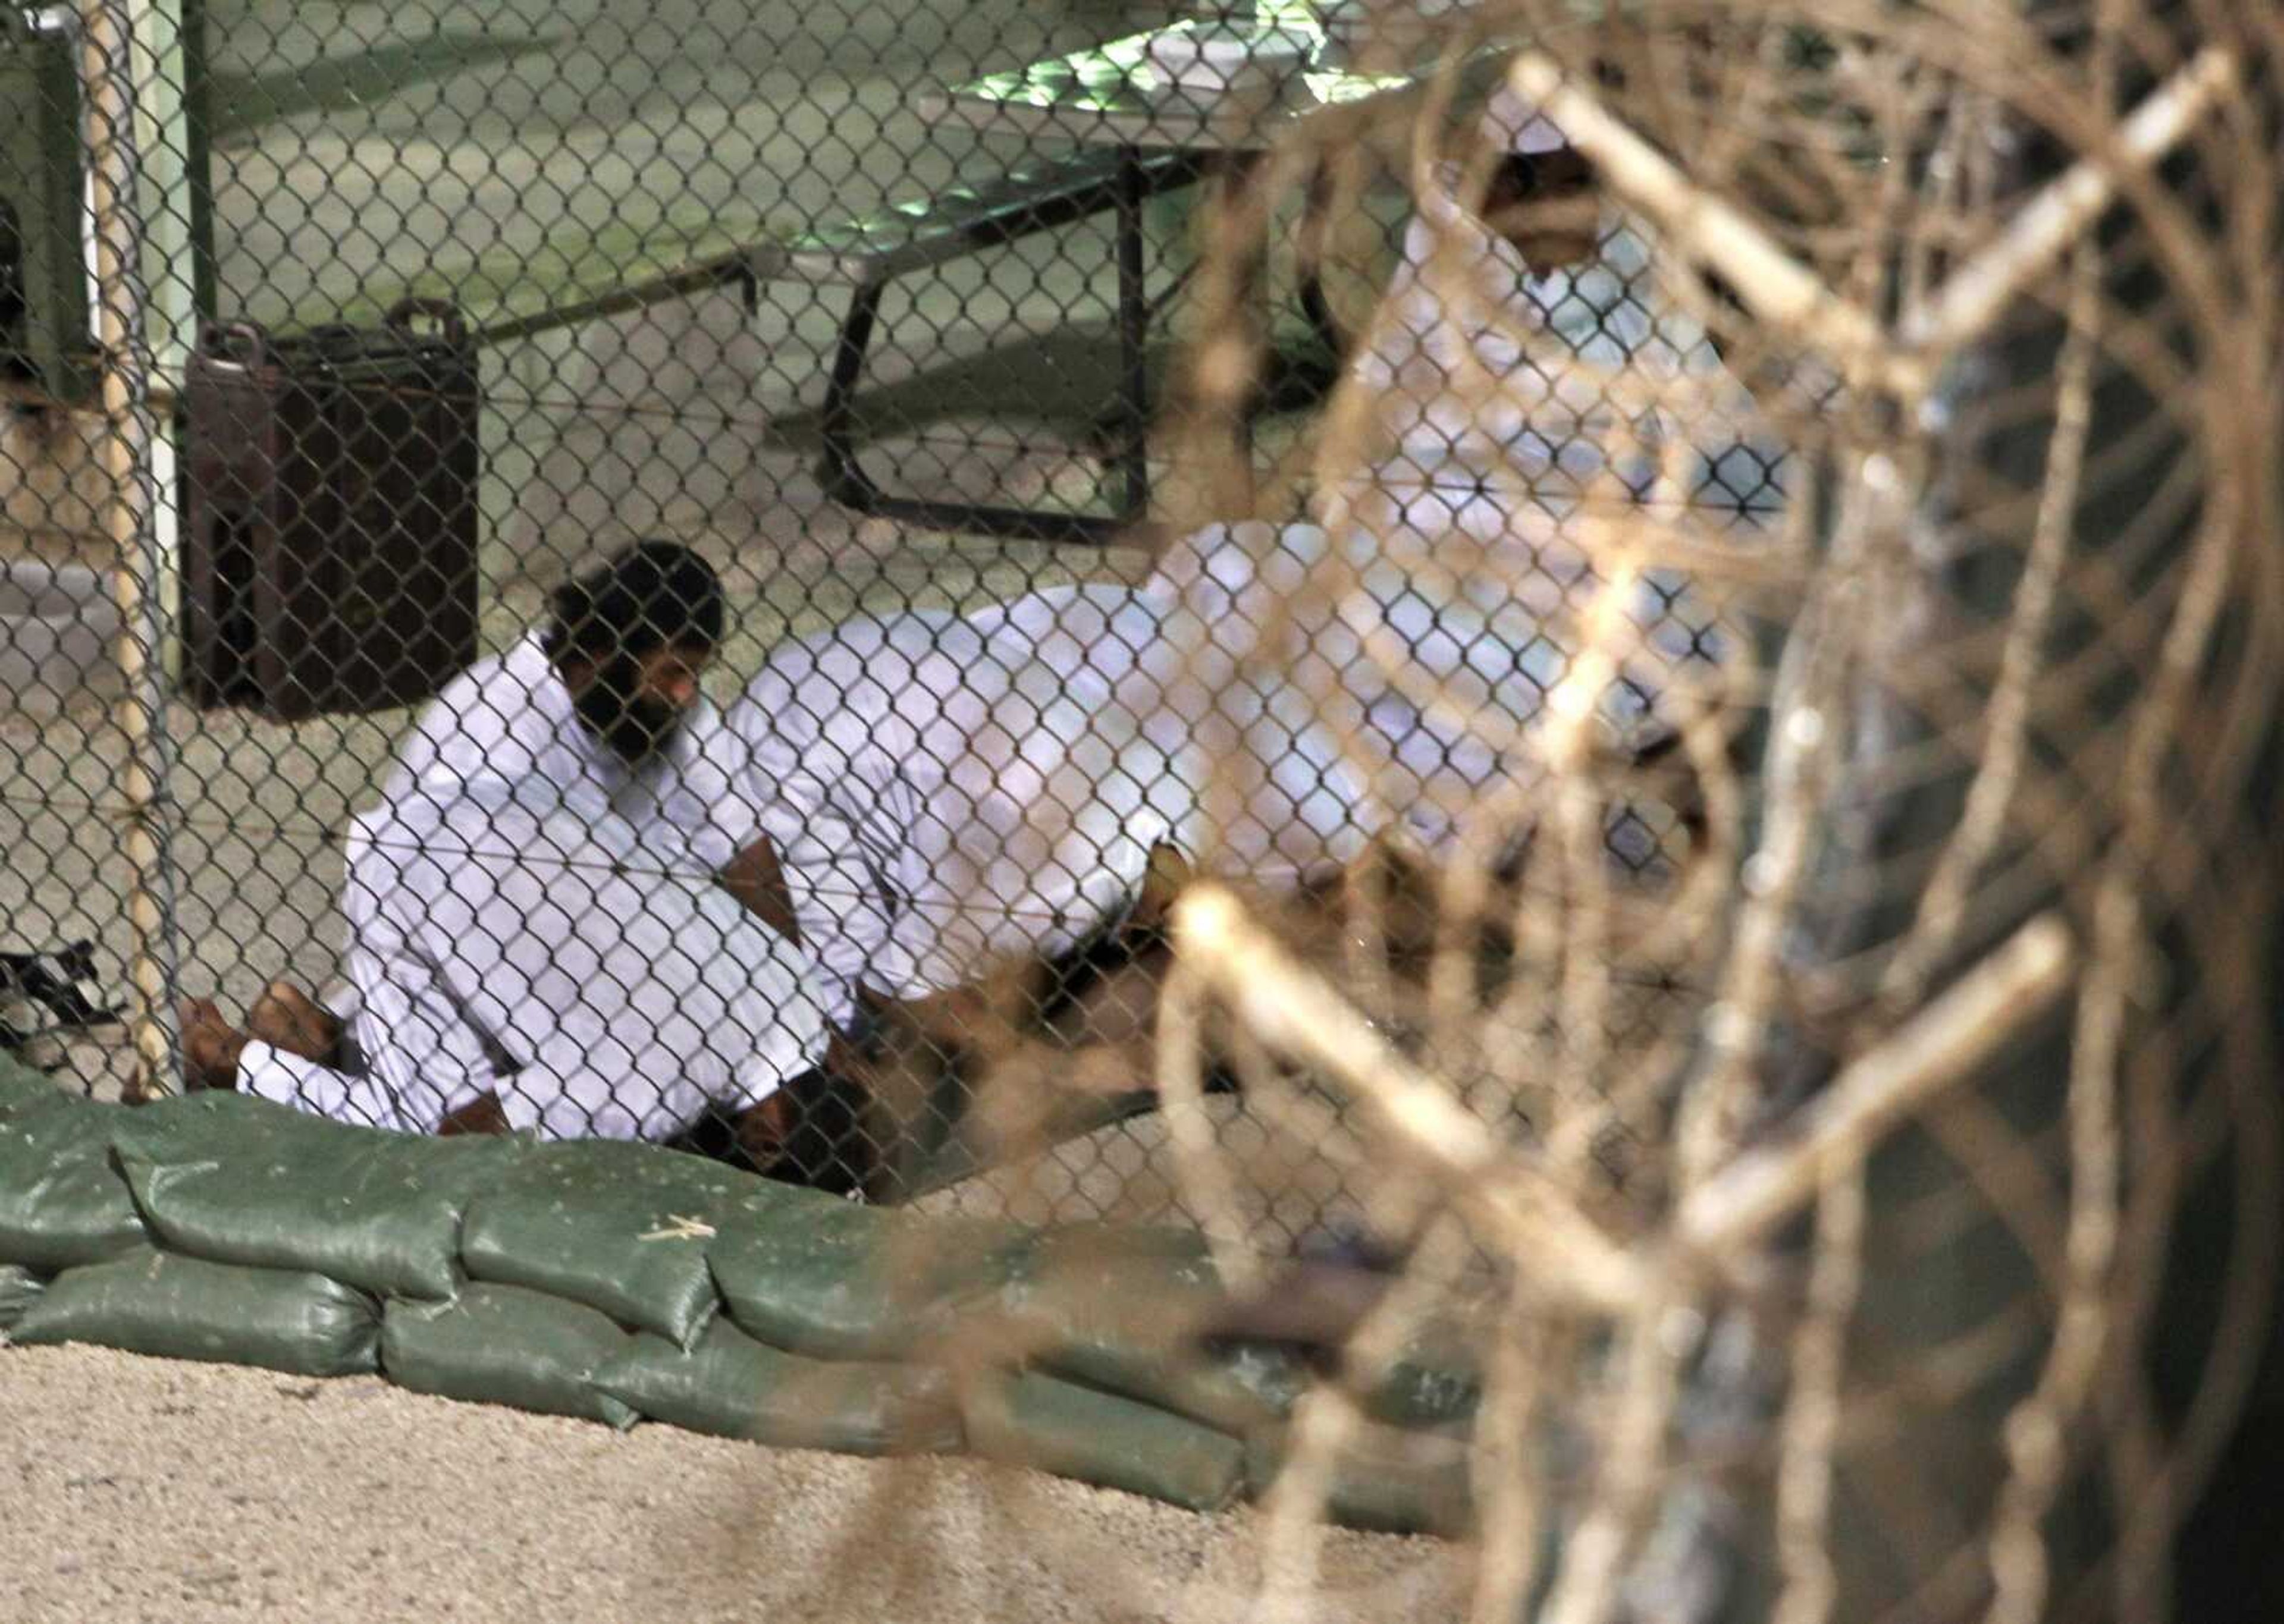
(148,1489)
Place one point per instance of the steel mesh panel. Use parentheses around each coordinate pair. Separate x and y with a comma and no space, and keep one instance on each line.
(1096,491)
(485,294)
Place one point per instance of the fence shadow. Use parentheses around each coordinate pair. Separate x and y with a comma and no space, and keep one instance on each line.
(244,102)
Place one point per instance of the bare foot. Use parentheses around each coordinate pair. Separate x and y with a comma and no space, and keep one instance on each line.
(1025,1095)
(286,1018)
(211,1046)
(764,1129)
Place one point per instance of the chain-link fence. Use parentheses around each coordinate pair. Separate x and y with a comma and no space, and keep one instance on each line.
(422,318)
(801,584)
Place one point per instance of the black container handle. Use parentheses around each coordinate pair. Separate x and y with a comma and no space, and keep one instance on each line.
(443,312)
(240,342)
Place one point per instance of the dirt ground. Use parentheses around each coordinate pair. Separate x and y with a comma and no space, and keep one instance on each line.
(135,1489)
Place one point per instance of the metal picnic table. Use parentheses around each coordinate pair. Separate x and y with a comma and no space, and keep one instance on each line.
(1118,96)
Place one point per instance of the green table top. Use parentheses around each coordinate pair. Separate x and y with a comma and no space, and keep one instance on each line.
(1115,95)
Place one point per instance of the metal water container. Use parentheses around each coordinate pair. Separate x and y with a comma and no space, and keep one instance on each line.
(329,552)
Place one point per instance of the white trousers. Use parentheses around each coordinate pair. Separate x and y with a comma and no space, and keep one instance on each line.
(523,951)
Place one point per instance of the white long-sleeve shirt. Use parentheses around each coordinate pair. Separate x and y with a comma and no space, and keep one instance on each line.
(1421,626)
(1486,370)
(1319,681)
(939,789)
(530,918)
(511,717)
(944,789)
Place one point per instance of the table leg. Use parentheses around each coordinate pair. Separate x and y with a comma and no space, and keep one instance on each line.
(845,479)
(1133,334)
(1233,178)
(1230,174)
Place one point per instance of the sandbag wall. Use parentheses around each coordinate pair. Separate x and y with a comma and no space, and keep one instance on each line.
(621,1283)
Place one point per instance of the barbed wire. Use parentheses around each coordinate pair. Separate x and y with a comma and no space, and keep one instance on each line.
(2042,771)
(1823,1180)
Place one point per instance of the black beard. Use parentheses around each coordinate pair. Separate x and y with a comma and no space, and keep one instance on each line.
(635,725)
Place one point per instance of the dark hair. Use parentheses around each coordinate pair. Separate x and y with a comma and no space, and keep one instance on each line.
(654,595)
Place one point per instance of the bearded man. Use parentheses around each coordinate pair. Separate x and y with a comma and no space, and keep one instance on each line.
(550,928)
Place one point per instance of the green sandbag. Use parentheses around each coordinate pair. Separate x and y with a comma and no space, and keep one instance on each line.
(19,1289)
(1415,1394)
(178,1307)
(736,1387)
(1117,1307)
(62,1202)
(1099,1438)
(21,1086)
(502,1344)
(240,1180)
(835,1280)
(1383,1480)
(622,1228)
(1435,1382)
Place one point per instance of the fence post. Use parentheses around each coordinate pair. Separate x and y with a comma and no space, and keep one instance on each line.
(165,75)
(130,435)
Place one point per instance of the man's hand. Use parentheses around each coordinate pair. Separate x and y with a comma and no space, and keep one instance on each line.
(757,880)
(211,1047)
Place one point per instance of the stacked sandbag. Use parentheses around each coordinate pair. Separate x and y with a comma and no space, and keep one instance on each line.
(1386,1479)
(21,1086)
(62,1203)
(621,1227)
(77,1264)
(238,1180)
(149,1301)
(617,1282)
(1084,1433)
(19,1289)
(836,1280)
(1120,1309)
(733,1387)
(504,1345)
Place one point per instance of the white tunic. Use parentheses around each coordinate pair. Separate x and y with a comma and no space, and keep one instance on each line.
(945,790)
(511,717)
(1293,740)
(1489,372)
(942,790)
(1389,677)
(530,916)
